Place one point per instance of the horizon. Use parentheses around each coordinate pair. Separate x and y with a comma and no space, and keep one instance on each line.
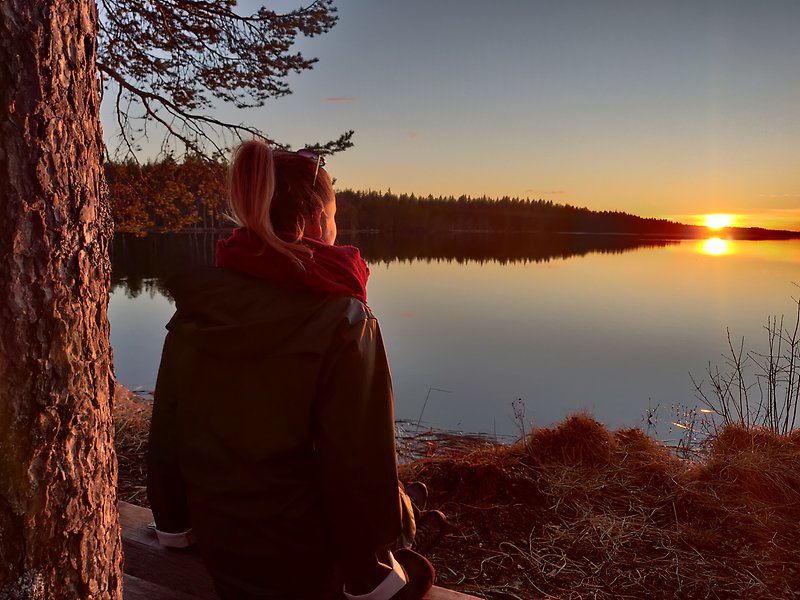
(667,110)
(713,222)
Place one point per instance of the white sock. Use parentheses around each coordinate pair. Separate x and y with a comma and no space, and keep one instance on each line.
(387,588)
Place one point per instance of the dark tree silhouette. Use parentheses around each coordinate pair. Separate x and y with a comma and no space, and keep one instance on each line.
(168,61)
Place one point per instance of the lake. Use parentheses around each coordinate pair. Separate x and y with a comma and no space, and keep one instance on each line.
(493,333)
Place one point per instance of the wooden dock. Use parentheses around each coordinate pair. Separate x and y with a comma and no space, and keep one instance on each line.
(156,573)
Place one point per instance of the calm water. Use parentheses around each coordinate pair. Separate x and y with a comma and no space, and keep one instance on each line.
(477,323)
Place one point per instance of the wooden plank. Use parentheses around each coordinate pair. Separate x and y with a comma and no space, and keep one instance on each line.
(134,588)
(180,570)
(132,516)
(153,572)
(438,593)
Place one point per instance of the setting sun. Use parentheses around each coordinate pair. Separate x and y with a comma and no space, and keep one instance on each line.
(718,221)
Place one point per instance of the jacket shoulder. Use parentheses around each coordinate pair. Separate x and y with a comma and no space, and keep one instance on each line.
(353,310)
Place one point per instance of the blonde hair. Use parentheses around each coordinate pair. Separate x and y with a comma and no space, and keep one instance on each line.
(260,195)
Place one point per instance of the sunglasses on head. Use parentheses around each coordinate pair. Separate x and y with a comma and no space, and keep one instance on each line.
(315,156)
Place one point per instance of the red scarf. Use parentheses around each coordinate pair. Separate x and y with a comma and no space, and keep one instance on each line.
(337,270)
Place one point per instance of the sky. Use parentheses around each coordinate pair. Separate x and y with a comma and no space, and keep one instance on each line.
(669,109)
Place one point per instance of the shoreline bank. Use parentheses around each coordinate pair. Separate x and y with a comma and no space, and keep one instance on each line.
(577,511)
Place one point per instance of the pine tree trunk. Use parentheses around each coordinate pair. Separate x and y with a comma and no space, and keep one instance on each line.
(59,528)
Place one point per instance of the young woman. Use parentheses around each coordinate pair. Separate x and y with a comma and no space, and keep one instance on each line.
(272,440)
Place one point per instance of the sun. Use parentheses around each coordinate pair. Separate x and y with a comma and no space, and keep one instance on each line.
(718,221)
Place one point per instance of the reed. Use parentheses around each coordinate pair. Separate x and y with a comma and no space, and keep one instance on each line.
(757,388)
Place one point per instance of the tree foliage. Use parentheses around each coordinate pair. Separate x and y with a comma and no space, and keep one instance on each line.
(167,195)
(169,61)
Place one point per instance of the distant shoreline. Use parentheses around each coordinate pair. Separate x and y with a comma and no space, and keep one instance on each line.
(172,197)
(731,233)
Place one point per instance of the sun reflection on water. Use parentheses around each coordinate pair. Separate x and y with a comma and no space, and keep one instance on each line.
(716,247)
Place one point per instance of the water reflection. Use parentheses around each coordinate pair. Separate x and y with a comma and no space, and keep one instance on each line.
(141,264)
(716,247)
(611,332)
(462,247)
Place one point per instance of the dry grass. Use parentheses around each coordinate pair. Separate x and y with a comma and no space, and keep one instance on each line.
(132,423)
(577,511)
(580,512)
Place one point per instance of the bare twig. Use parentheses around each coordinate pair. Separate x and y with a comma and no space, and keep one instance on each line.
(777,377)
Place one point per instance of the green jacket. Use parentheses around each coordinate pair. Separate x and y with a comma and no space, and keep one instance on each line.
(273,431)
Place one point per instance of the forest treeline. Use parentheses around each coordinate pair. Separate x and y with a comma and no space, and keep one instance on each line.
(172,196)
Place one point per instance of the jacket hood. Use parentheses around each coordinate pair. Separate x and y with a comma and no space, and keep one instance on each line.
(226,313)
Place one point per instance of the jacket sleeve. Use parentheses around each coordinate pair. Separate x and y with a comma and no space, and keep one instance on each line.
(355,441)
(165,486)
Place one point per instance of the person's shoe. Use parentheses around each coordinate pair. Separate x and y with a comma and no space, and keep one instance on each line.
(430,529)
(418,493)
(419,573)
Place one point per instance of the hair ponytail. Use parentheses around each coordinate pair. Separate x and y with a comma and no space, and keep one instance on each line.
(252,189)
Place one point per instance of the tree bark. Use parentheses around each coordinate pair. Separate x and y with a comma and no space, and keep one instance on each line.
(59,527)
